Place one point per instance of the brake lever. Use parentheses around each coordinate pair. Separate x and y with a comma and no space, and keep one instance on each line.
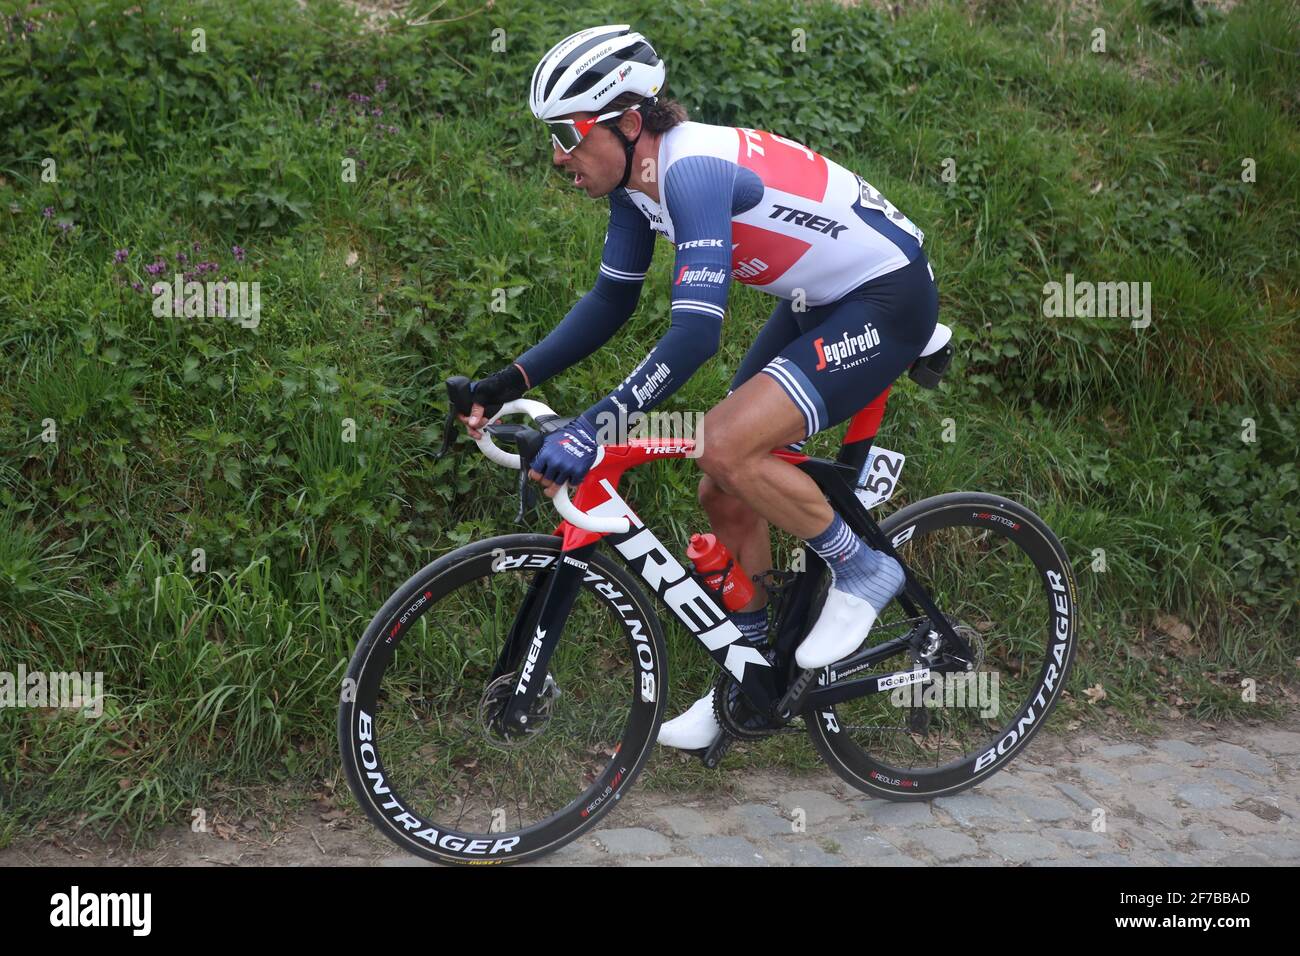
(527,496)
(527,488)
(461,398)
(448,433)
(460,394)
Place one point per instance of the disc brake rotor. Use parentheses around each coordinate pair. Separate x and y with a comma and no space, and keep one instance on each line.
(492,707)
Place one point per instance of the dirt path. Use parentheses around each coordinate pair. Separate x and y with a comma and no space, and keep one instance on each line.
(1227,795)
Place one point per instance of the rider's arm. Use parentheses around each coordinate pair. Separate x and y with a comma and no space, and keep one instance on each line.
(629,246)
(701,194)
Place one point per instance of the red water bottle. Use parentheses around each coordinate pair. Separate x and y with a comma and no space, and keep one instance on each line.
(720,571)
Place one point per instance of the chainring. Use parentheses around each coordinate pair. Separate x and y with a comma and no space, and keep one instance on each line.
(735,714)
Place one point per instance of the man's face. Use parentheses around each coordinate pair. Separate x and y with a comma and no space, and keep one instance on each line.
(596,165)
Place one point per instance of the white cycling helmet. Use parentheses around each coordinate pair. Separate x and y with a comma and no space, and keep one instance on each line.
(587,70)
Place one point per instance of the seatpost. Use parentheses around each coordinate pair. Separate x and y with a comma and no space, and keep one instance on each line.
(862,432)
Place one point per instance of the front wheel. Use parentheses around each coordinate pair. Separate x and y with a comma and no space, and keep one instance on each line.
(419,729)
(1003,580)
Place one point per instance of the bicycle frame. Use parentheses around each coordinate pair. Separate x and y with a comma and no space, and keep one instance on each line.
(539,624)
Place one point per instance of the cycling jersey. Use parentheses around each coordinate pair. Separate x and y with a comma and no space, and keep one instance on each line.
(737,204)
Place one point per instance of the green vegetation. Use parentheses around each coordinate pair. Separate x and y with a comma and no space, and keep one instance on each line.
(176,434)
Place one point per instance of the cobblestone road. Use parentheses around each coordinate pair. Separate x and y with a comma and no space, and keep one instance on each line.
(1225,797)
(1230,796)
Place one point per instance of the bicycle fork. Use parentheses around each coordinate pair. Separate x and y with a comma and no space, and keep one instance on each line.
(536,632)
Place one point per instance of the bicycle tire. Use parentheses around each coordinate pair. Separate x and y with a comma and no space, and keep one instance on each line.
(361,746)
(909,525)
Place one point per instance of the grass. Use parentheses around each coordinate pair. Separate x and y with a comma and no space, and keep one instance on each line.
(128,442)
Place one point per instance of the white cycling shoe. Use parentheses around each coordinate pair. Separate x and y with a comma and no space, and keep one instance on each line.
(845,621)
(693,730)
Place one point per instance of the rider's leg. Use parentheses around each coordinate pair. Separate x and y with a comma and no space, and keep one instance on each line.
(742,529)
(759,415)
(862,344)
(807,387)
(745,533)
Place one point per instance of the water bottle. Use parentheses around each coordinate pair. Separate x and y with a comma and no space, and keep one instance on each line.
(720,571)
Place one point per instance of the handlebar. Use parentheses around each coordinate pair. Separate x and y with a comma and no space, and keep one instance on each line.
(458,389)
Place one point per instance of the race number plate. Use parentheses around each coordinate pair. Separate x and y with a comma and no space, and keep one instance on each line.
(879,477)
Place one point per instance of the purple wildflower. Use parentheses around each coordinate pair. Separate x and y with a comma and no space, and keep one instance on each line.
(195,245)
(48,212)
(138,286)
(381,85)
(238,253)
(119,255)
(376,112)
(182,258)
(65,227)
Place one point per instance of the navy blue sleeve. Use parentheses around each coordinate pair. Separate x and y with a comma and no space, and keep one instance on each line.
(629,246)
(700,193)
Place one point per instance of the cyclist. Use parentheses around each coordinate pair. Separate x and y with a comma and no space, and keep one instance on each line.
(856,305)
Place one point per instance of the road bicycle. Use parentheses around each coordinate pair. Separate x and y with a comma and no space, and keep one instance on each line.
(506,697)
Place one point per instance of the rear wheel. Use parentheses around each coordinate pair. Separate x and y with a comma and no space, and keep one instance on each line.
(422,748)
(1004,582)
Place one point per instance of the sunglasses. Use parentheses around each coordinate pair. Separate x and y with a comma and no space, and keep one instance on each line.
(568,134)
